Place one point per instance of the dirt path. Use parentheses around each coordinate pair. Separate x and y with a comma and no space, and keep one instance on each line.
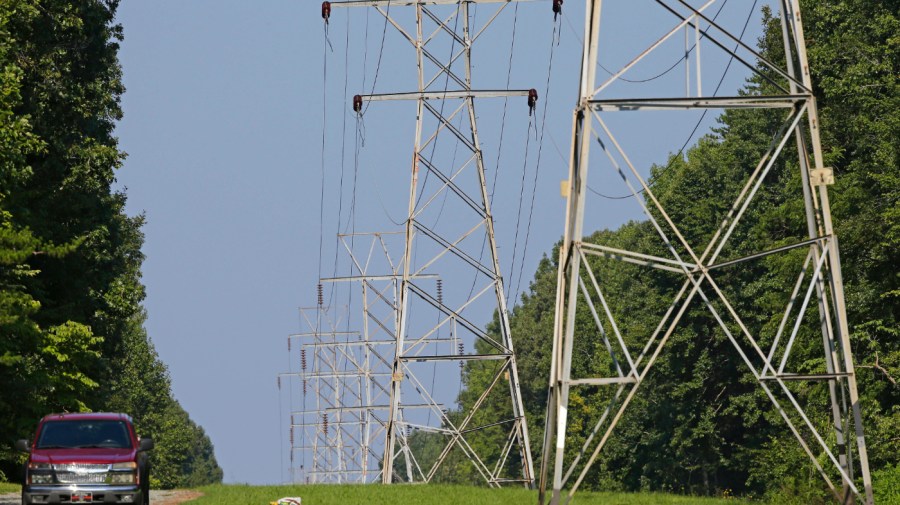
(157,497)
(173,497)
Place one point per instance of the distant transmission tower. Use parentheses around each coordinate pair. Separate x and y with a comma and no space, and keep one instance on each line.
(330,427)
(449,227)
(818,292)
(378,275)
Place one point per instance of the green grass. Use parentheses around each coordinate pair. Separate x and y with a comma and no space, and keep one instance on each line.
(426,495)
(6,487)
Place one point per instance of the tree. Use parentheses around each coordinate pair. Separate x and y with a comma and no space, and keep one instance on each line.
(41,367)
(71,321)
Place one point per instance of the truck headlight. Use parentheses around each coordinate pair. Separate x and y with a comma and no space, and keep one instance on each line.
(123,473)
(40,478)
(39,466)
(121,478)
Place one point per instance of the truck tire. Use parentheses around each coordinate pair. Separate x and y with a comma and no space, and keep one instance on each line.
(145,486)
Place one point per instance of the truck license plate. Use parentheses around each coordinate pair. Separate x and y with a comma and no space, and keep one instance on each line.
(82,498)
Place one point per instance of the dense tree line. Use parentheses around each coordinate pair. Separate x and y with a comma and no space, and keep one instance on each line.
(71,320)
(701,424)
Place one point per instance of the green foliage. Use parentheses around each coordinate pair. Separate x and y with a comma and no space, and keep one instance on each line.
(71,322)
(887,485)
(6,487)
(858,69)
(42,367)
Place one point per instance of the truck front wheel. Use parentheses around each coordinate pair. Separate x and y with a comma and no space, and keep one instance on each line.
(145,485)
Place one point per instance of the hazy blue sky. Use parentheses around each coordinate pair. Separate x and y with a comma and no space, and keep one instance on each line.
(225,110)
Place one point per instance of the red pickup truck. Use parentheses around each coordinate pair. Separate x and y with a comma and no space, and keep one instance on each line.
(86,458)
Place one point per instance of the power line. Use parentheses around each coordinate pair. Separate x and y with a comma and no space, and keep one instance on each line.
(343,159)
(536,171)
(387,15)
(512,263)
(512,46)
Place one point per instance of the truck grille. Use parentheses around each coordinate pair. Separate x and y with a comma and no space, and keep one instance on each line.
(81,473)
(81,478)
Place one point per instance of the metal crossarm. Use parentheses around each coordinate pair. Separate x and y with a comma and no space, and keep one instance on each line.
(725,102)
(444,95)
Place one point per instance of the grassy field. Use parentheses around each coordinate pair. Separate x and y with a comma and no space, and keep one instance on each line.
(6,487)
(426,495)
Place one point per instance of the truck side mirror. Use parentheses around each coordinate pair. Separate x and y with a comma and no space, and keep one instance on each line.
(23,445)
(146,444)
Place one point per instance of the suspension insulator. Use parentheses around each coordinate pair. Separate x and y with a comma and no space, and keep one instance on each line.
(303,359)
(357,103)
(326,11)
(557,8)
(440,291)
(461,347)
(304,386)
(278,379)
(532,100)
(325,424)
(292,436)
(289,344)
(321,294)
(409,430)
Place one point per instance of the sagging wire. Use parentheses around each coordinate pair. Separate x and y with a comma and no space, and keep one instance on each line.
(384,207)
(357,100)
(537,170)
(512,47)
(387,15)
(512,264)
(337,245)
(690,137)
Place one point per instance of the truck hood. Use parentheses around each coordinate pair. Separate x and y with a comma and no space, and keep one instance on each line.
(94,456)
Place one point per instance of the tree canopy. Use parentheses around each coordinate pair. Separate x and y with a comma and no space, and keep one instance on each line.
(71,320)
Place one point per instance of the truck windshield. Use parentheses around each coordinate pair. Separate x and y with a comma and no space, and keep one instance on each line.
(84,434)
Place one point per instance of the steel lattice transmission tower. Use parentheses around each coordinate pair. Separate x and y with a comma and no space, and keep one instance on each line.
(330,426)
(373,267)
(585,311)
(449,231)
